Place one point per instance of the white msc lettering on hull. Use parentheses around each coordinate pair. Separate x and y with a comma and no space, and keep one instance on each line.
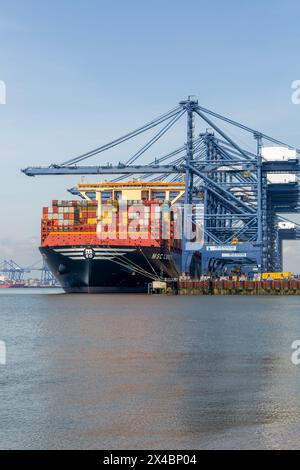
(160,256)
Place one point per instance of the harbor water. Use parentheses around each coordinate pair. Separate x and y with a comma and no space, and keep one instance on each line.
(148,372)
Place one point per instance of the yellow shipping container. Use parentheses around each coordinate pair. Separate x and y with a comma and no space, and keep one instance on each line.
(278,275)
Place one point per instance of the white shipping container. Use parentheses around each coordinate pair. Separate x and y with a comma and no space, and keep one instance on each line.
(286,225)
(278,153)
(281,178)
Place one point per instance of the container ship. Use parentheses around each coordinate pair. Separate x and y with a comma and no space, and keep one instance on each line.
(112,239)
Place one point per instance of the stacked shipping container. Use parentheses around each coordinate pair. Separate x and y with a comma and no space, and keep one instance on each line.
(64,213)
(68,216)
(141,220)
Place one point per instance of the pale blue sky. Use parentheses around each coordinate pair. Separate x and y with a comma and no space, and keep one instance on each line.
(81,72)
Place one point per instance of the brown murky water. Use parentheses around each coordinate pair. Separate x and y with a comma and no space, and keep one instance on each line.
(140,372)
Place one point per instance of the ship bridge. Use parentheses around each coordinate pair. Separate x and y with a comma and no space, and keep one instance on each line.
(131,191)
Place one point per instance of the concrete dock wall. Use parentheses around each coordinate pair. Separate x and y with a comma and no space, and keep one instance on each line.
(217,287)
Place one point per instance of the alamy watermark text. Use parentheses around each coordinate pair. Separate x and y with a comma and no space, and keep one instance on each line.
(296,93)
(2,92)
(2,353)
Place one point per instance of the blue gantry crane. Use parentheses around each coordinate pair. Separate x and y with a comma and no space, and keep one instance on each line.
(46,277)
(243,206)
(12,271)
(15,274)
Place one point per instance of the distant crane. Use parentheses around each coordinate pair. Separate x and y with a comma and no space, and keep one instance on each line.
(46,277)
(14,273)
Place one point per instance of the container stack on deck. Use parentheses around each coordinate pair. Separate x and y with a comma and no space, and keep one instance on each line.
(68,215)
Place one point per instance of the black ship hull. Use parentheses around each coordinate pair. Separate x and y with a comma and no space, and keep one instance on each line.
(109,269)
